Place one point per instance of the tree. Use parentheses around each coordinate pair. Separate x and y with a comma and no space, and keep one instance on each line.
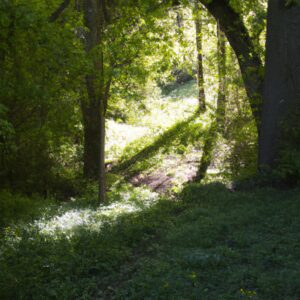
(231,23)
(217,125)
(119,35)
(97,85)
(197,12)
(280,113)
(38,85)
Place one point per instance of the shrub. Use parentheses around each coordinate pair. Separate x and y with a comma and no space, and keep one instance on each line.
(15,207)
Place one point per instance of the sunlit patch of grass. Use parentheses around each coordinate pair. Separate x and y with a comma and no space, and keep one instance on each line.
(162,113)
(76,252)
(92,219)
(119,135)
(180,138)
(165,111)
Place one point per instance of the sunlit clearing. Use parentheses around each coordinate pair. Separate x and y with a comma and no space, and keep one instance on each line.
(119,135)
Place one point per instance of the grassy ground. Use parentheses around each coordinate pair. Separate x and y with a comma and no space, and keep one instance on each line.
(205,243)
(208,243)
(168,153)
(162,113)
(225,245)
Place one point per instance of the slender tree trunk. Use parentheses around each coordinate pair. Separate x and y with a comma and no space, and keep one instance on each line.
(101,171)
(200,73)
(218,123)
(282,82)
(221,101)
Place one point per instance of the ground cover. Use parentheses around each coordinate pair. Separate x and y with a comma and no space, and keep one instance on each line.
(207,243)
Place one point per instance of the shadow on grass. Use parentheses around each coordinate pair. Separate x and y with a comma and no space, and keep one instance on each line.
(224,245)
(209,241)
(79,253)
(182,134)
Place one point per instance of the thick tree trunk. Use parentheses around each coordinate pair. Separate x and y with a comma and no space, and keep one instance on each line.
(91,121)
(282,80)
(250,63)
(94,108)
(200,73)
(218,123)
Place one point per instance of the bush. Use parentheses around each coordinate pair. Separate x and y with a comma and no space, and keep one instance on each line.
(15,207)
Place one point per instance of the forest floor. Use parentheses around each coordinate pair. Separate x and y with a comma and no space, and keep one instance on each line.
(170,160)
(206,243)
(174,171)
(156,238)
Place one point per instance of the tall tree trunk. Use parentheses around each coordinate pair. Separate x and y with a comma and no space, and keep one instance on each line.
(221,101)
(218,123)
(94,108)
(200,73)
(282,80)
(101,171)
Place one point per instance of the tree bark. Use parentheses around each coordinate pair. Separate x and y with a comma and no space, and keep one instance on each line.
(91,120)
(282,80)
(200,73)
(221,101)
(218,123)
(94,108)
(101,171)
(250,63)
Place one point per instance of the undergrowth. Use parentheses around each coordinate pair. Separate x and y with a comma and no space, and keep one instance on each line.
(208,243)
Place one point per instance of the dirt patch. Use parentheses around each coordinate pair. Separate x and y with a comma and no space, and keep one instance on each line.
(174,171)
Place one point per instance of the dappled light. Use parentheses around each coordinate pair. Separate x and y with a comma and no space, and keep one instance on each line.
(91,219)
(149,150)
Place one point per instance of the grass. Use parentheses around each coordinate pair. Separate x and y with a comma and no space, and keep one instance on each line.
(225,245)
(209,243)
(177,138)
(161,114)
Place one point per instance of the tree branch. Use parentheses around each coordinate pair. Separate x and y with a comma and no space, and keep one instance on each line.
(54,16)
(238,36)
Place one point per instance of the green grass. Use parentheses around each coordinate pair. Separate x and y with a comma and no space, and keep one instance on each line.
(161,114)
(209,243)
(225,246)
(179,138)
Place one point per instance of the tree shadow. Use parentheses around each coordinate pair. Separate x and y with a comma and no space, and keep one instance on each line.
(180,135)
(82,253)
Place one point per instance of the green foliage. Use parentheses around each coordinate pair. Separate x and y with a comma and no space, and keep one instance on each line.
(239,139)
(36,91)
(241,159)
(16,208)
(286,171)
